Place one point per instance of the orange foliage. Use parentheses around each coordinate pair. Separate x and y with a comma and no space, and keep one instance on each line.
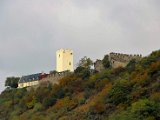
(65,103)
(66,80)
(155,65)
(155,96)
(101,83)
(141,78)
(136,94)
(97,101)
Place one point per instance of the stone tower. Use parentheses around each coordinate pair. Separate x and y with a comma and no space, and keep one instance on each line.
(64,60)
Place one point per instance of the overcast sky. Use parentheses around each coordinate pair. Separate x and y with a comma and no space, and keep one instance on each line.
(32,30)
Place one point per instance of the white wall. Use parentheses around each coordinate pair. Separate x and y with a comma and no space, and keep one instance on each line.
(64,60)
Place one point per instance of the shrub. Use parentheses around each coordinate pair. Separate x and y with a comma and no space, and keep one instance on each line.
(106,62)
(155,96)
(97,108)
(83,72)
(119,93)
(131,65)
(49,101)
(145,108)
(124,115)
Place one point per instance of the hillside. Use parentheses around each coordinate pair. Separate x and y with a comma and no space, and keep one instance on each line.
(130,93)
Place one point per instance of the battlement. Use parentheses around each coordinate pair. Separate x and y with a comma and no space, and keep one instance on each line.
(64,50)
(121,54)
(124,57)
(121,60)
(59,74)
(54,77)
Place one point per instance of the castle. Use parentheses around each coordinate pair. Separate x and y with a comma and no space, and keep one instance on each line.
(64,67)
(117,60)
(121,60)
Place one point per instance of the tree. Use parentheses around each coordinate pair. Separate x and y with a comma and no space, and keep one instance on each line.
(106,62)
(145,108)
(12,82)
(82,72)
(49,101)
(131,65)
(85,62)
(119,93)
(84,67)
(53,72)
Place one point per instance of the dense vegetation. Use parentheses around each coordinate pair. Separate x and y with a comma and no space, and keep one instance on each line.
(12,82)
(130,93)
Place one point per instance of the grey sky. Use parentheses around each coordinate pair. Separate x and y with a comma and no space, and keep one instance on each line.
(32,30)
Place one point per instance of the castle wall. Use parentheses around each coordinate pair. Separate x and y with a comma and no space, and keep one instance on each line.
(98,66)
(54,78)
(116,64)
(121,60)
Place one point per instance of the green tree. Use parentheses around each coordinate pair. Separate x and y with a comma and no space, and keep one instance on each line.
(49,101)
(84,67)
(124,115)
(145,108)
(12,82)
(83,72)
(131,65)
(53,72)
(85,62)
(120,92)
(106,62)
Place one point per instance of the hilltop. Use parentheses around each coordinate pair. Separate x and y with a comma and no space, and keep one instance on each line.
(123,93)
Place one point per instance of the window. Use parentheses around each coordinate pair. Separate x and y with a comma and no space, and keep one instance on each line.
(59,55)
(69,63)
(71,53)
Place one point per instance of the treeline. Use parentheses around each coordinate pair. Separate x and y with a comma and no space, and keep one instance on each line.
(130,93)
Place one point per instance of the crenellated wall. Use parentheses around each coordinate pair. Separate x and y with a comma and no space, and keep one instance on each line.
(55,77)
(121,60)
(52,78)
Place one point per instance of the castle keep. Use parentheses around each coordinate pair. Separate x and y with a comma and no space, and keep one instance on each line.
(64,60)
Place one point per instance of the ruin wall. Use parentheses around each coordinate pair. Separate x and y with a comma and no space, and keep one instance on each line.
(121,60)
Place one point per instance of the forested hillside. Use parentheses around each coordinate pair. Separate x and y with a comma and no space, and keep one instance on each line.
(130,93)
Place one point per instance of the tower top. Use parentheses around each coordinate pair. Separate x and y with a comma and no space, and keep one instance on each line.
(67,50)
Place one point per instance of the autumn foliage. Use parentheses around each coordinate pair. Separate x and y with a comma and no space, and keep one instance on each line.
(130,93)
